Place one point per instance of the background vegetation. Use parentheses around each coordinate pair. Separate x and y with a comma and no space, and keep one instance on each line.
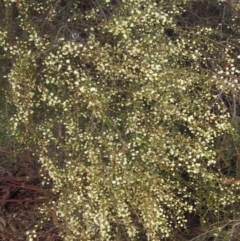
(132,109)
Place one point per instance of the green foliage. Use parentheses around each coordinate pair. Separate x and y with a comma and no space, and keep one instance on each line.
(122,103)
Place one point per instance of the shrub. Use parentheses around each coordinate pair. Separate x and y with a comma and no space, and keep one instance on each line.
(113,100)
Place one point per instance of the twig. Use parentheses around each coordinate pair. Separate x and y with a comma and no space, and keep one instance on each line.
(233,230)
(29,187)
(17,179)
(218,98)
(22,200)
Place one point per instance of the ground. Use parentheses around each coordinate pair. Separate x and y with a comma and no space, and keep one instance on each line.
(21,195)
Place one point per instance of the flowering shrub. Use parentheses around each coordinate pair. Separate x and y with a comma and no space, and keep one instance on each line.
(116,102)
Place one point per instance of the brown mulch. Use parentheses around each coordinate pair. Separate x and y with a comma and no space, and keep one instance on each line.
(21,195)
